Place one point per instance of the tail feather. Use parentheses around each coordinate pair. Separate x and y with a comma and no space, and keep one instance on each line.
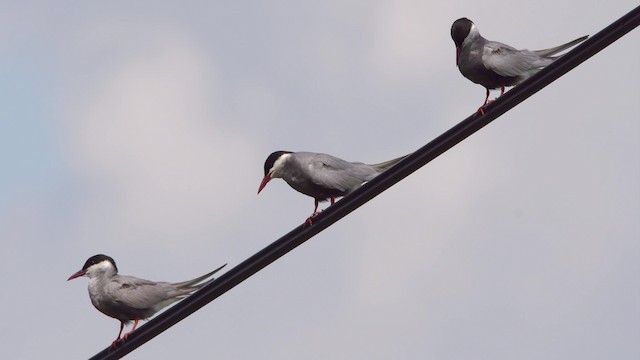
(193,282)
(387,164)
(557,49)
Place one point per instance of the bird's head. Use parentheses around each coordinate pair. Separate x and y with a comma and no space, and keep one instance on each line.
(96,265)
(460,31)
(273,167)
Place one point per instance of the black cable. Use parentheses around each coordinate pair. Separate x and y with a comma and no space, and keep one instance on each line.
(374,187)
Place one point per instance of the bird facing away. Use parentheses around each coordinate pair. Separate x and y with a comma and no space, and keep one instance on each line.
(321,176)
(495,65)
(128,298)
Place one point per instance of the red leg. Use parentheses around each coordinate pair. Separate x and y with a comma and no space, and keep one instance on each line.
(333,200)
(309,220)
(502,91)
(115,342)
(135,324)
(486,102)
(120,332)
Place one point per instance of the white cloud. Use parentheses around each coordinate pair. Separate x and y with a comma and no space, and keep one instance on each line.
(404,37)
(513,249)
(157,156)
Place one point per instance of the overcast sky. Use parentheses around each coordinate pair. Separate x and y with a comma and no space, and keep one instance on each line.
(139,130)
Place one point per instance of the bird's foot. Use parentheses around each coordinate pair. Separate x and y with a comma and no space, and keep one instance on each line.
(481,108)
(114,344)
(125,337)
(309,220)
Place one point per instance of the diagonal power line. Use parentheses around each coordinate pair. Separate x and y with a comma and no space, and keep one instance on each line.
(374,187)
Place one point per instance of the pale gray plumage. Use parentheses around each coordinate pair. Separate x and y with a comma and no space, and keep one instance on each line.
(495,65)
(320,176)
(507,61)
(306,172)
(128,298)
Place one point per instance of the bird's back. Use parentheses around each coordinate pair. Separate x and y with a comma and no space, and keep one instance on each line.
(510,63)
(504,65)
(126,297)
(475,62)
(322,176)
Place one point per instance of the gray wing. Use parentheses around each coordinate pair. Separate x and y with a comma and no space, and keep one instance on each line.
(135,293)
(333,173)
(505,60)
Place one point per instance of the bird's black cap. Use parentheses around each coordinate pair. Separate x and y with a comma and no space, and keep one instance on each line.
(268,164)
(95,259)
(460,29)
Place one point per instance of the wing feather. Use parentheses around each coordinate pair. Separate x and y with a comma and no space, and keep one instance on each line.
(505,60)
(140,294)
(333,173)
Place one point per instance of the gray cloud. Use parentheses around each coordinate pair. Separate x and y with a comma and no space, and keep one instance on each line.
(520,242)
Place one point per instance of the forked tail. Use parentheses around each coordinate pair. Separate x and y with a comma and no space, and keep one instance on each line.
(557,49)
(387,164)
(193,282)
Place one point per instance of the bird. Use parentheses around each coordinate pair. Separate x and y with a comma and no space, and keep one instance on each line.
(127,298)
(495,65)
(321,176)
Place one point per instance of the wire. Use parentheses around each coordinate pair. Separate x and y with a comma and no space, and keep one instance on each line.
(374,187)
